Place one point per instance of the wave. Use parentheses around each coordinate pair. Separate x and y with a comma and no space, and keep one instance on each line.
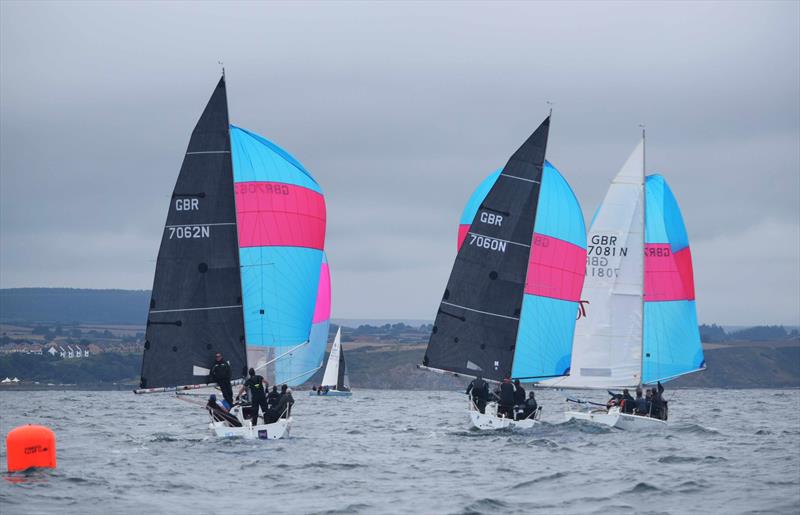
(673,459)
(696,429)
(331,466)
(641,488)
(540,479)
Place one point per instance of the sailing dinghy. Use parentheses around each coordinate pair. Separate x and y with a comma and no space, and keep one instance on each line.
(335,382)
(508,310)
(638,322)
(238,269)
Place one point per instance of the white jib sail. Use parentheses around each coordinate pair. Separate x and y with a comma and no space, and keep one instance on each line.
(607,349)
(332,367)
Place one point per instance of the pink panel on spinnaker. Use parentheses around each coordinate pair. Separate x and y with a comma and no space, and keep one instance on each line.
(667,275)
(278,214)
(322,311)
(555,268)
(463,229)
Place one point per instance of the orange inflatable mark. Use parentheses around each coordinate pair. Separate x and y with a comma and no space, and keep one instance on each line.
(30,446)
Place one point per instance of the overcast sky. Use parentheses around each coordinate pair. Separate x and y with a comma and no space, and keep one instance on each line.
(399,111)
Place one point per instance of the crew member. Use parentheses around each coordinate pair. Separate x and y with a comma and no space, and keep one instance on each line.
(626,401)
(519,397)
(258,398)
(530,406)
(272,397)
(221,374)
(505,404)
(480,393)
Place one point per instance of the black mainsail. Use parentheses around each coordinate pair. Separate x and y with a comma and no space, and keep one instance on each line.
(196,306)
(476,325)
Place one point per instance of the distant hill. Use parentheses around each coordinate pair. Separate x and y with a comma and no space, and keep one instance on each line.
(66,305)
(393,366)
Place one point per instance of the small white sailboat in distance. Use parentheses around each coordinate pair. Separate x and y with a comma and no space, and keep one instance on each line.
(335,382)
(638,322)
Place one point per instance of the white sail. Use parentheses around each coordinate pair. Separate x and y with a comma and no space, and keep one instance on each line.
(607,349)
(332,367)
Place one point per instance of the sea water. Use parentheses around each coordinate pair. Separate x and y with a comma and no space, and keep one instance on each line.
(725,451)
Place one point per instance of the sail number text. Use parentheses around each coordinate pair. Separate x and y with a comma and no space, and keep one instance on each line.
(487,243)
(189,231)
(187,204)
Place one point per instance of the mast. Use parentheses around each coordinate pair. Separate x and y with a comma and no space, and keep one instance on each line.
(644,241)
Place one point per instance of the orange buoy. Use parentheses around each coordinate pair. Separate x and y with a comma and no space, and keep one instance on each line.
(30,446)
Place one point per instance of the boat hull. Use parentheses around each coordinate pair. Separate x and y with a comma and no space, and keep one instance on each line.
(275,431)
(489,420)
(615,418)
(331,393)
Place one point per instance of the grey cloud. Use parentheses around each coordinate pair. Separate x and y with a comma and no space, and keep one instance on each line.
(399,110)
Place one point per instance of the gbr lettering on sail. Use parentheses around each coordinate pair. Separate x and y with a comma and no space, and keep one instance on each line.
(188,231)
(487,242)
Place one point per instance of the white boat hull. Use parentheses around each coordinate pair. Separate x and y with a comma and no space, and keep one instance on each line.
(615,418)
(489,420)
(279,429)
(274,431)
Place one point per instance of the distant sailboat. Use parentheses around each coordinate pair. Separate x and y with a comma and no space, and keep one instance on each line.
(638,321)
(238,269)
(335,381)
(509,307)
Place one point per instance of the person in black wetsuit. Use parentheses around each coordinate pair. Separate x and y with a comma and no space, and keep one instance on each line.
(640,403)
(505,404)
(530,406)
(480,393)
(659,405)
(519,398)
(627,401)
(258,398)
(272,397)
(221,374)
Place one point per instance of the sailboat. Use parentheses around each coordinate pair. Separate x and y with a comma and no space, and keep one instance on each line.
(238,268)
(508,310)
(638,321)
(335,382)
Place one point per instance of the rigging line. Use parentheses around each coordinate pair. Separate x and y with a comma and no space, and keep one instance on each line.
(273,360)
(478,311)
(209,152)
(499,239)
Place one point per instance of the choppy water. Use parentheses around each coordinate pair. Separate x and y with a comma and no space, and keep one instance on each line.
(408,452)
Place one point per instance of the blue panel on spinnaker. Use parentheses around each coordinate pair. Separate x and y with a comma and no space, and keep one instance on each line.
(279,287)
(301,364)
(256,159)
(474,202)
(671,340)
(544,340)
(559,215)
(663,220)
